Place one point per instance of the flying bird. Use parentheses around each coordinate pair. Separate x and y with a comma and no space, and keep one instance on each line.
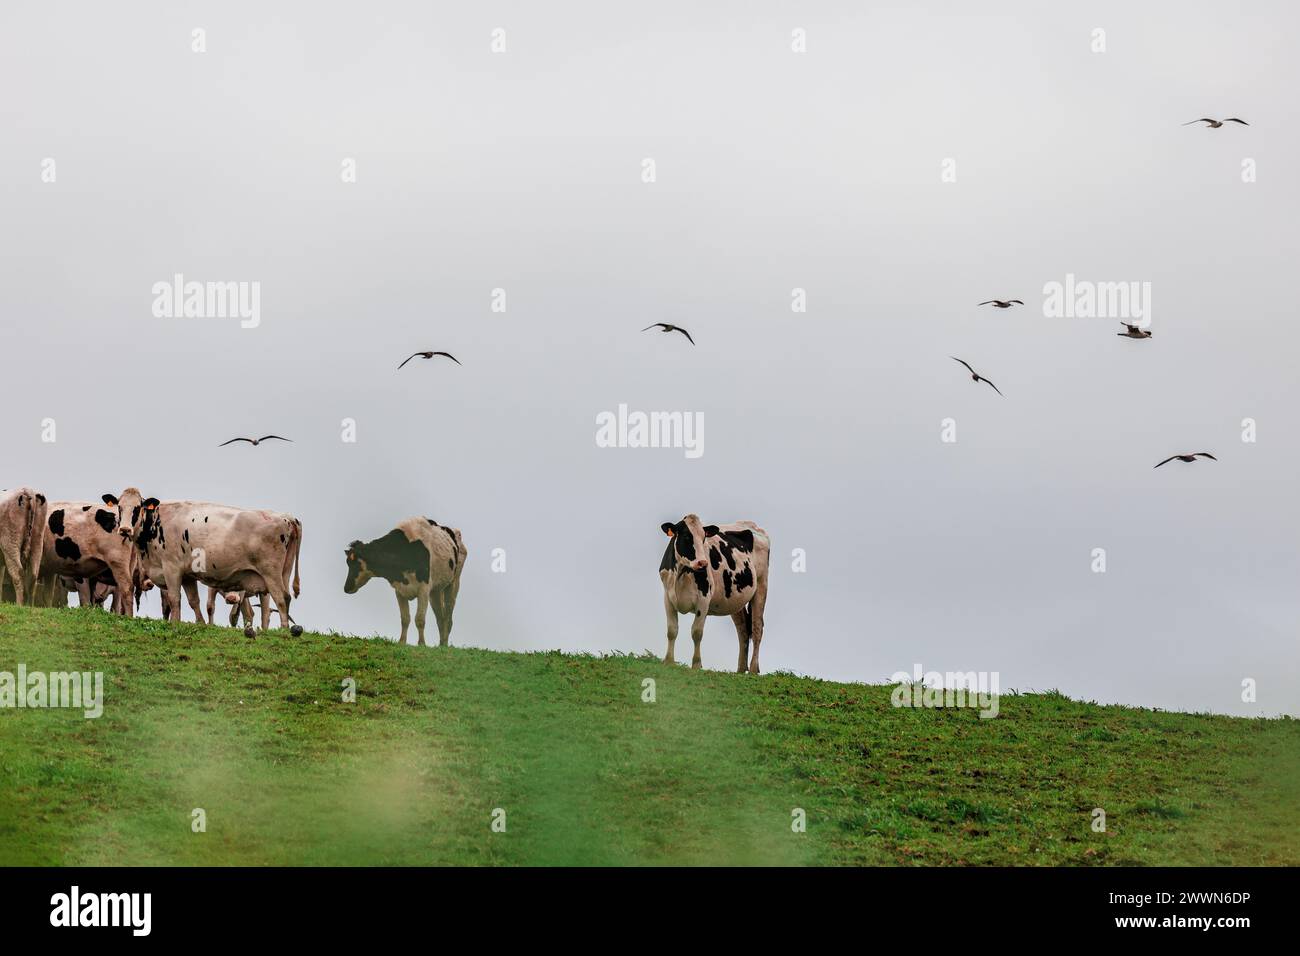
(976,376)
(670,328)
(429,355)
(253,441)
(1192,457)
(1215,124)
(1002,304)
(1133,332)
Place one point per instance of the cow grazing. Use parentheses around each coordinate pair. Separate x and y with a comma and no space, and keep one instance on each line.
(84,540)
(22,540)
(714,570)
(185,543)
(422,560)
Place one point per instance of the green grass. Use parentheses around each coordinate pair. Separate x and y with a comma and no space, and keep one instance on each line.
(255,733)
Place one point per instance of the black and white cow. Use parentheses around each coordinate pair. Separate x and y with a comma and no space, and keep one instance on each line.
(715,570)
(422,560)
(85,541)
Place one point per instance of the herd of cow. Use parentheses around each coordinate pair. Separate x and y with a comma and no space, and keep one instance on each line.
(126,545)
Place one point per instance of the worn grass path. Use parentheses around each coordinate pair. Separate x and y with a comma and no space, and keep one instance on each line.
(256,734)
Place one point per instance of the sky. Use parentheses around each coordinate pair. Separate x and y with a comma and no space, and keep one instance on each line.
(379,170)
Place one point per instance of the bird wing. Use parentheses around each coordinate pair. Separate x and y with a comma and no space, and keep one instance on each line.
(233,440)
(1233,119)
(281,437)
(1131,328)
(991,385)
(1171,457)
(1203,119)
(685,333)
(956,359)
(1207,455)
(449,355)
(990,302)
(1017,302)
(655,325)
(412,355)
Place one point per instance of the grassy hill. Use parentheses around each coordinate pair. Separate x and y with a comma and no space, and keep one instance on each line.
(255,733)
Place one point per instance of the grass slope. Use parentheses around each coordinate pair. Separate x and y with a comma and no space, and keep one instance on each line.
(256,734)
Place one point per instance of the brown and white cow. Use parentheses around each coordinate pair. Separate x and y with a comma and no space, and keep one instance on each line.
(715,570)
(84,541)
(22,537)
(231,549)
(422,560)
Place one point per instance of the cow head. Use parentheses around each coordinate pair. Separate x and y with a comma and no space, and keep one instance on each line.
(125,515)
(358,572)
(687,546)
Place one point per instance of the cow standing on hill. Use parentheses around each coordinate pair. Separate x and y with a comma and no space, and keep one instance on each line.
(22,538)
(186,543)
(84,541)
(715,570)
(422,560)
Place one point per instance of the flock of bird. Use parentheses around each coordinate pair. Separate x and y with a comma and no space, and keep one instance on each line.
(1130,332)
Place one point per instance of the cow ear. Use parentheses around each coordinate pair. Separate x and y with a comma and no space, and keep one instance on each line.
(667,528)
(710,530)
(110,500)
(150,504)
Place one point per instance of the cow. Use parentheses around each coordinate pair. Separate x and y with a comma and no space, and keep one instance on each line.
(423,561)
(84,540)
(715,570)
(184,543)
(22,540)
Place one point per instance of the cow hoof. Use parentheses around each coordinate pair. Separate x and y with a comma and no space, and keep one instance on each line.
(249,632)
(295,631)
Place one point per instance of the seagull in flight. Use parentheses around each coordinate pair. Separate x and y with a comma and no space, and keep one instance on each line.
(429,355)
(253,441)
(976,376)
(1002,303)
(1215,124)
(1192,457)
(670,328)
(1133,332)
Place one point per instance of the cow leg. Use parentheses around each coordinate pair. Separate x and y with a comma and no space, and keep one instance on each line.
(697,635)
(756,605)
(421,612)
(672,629)
(174,596)
(10,563)
(192,595)
(212,604)
(444,608)
(741,620)
(405,608)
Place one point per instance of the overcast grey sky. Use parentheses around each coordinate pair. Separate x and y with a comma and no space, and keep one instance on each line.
(775,170)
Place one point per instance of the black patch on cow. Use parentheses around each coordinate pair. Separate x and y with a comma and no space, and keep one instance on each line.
(56,522)
(135,516)
(450,534)
(451,563)
(740,540)
(668,562)
(432,522)
(67,549)
(744,578)
(726,583)
(282,539)
(702,580)
(205,519)
(186,536)
(392,557)
(40,498)
(685,541)
(85,508)
(715,558)
(105,519)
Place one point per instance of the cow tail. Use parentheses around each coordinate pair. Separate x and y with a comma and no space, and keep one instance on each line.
(297,549)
